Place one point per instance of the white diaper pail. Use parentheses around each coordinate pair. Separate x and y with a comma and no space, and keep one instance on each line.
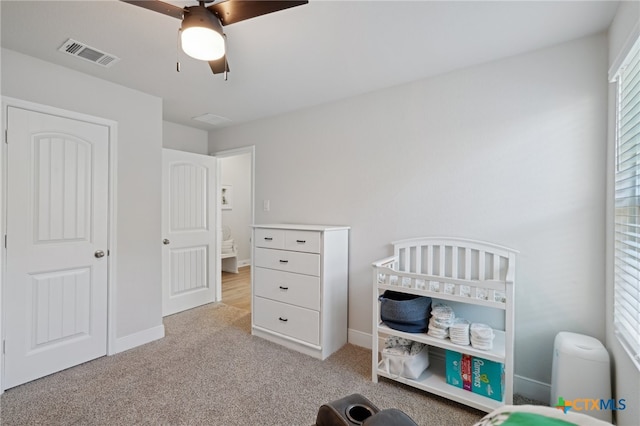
(580,371)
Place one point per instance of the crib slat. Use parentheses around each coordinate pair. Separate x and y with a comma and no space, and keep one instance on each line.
(454,262)
(496,267)
(413,254)
(467,264)
(481,262)
(403,259)
(442,258)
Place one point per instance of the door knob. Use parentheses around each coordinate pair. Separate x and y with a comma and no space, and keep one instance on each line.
(165,241)
(99,254)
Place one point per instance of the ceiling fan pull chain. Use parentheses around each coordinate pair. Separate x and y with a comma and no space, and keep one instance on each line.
(225,57)
(178,51)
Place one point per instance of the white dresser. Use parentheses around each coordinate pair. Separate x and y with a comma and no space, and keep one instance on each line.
(300,285)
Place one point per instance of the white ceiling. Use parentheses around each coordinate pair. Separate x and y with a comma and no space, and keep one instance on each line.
(296,58)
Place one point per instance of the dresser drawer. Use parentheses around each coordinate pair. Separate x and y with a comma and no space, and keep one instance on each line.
(288,261)
(306,241)
(287,287)
(292,321)
(270,238)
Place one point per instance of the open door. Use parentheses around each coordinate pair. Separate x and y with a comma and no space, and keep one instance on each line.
(189,254)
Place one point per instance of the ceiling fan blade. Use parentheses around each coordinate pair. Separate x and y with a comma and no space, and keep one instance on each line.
(219,65)
(232,11)
(158,6)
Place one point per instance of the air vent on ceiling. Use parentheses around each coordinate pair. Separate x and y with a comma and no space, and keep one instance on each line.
(214,120)
(81,50)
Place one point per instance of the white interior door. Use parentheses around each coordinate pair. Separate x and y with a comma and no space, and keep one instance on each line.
(55,294)
(189,230)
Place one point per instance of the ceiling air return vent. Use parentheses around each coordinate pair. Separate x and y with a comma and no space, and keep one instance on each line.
(81,50)
(214,120)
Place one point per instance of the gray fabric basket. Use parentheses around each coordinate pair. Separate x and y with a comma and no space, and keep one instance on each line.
(405,312)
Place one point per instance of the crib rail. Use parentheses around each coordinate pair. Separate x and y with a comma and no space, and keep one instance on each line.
(455,258)
(486,293)
(451,269)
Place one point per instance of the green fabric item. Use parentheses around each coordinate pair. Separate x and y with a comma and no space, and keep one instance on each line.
(526,419)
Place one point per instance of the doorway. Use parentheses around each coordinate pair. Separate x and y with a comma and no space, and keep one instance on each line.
(236,188)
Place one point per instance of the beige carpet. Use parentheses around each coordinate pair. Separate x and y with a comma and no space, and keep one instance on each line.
(216,375)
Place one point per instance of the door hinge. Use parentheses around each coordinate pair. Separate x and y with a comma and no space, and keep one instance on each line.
(4,347)
(5,240)
(6,136)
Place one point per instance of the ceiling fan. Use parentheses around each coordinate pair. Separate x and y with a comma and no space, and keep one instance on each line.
(201,32)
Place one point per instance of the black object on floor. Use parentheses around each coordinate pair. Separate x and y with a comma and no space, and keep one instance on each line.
(348,411)
(390,417)
(357,410)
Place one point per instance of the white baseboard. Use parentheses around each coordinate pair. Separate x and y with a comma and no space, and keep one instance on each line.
(245,262)
(524,386)
(140,338)
(530,388)
(359,338)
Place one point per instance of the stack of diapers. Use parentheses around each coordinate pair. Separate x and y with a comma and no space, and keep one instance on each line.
(443,323)
(459,332)
(482,336)
(442,316)
(404,357)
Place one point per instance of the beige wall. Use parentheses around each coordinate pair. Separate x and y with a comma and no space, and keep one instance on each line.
(511,152)
(184,138)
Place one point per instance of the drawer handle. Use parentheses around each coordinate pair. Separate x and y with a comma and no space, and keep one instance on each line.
(284,261)
(283,319)
(301,241)
(268,238)
(284,288)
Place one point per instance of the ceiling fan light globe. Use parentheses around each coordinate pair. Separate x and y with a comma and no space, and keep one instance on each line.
(202,43)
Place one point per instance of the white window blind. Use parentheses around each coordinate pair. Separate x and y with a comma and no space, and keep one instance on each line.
(627,206)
